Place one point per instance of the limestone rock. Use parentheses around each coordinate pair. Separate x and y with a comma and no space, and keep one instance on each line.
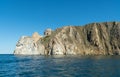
(27,46)
(91,39)
(47,32)
(36,36)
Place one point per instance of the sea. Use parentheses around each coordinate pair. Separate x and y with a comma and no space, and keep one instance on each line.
(59,66)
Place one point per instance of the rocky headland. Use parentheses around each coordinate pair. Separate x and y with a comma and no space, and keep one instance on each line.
(91,39)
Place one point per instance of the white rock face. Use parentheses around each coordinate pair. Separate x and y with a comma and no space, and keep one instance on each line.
(41,49)
(58,48)
(26,46)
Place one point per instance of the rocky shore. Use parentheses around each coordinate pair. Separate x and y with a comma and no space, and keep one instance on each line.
(91,39)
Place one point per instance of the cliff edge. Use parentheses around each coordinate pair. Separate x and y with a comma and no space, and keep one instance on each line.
(91,39)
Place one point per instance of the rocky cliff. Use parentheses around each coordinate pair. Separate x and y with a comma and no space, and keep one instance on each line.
(91,39)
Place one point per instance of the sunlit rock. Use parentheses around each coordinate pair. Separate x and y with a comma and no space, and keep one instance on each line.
(91,39)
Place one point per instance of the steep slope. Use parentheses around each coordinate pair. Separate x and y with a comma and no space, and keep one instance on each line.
(91,39)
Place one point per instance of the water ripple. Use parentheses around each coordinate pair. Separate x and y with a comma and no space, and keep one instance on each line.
(59,66)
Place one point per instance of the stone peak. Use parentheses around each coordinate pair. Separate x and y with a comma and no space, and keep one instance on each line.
(48,32)
(36,36)
(35,33)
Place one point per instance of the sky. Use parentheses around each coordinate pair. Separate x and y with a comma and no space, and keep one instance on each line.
(24,17)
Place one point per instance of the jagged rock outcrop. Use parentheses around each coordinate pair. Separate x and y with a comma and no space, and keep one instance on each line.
(91,39)
(36,36)
(28,45)
(48,32)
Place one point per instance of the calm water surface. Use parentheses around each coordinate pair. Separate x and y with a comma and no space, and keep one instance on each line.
(59,66)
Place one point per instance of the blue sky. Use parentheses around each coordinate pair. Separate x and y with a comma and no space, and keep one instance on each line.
(23,17)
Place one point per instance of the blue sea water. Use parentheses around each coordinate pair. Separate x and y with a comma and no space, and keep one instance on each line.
(59,66)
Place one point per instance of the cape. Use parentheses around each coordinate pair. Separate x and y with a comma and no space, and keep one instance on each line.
(91,39)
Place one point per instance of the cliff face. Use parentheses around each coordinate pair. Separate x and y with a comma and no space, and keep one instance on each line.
(91,39)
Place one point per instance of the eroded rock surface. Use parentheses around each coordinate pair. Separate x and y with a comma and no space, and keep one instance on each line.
(91,39)
(36,36)
(28,46)
(48,32)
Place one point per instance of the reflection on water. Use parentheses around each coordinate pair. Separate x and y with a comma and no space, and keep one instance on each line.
(59,66)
